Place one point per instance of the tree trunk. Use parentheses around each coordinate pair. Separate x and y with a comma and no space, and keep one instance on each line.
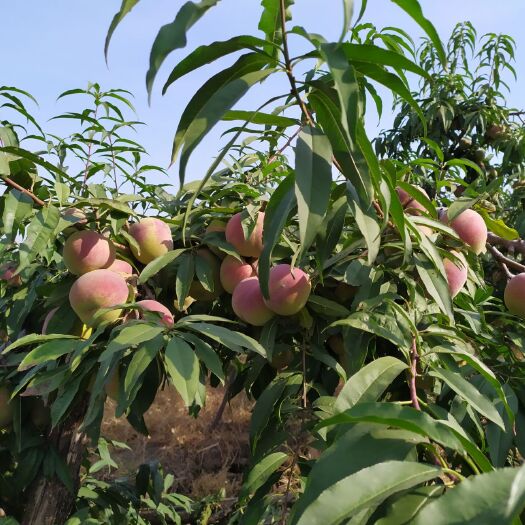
(49,502)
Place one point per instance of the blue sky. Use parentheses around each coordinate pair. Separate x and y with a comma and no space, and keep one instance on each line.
(55,45)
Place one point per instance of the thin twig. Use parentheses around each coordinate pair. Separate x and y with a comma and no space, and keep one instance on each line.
(414,359)
(505,262)
(305,399)
(517,245)
(289,71)
(286,144)
(17,186)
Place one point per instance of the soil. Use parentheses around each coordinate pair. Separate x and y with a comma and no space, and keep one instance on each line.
(203,462)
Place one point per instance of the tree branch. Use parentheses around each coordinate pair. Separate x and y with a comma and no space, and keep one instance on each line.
(517,245)
(505,262)
(17,186)
(288,63)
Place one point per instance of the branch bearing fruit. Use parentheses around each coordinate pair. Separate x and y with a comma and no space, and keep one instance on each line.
(154,306)
(153,237)
(96,290)
(6,409)
(471,229)
(456,272)
(86,250)
(247,247)
(289,289)
(514,295)
(233,272)
(248,303)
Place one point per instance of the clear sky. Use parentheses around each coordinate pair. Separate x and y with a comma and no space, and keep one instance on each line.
(51,46)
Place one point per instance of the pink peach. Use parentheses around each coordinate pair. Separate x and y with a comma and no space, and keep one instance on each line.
(289,289)
(153,237)
(86,250)
(155,306)
(514,295)
(233,272)
(456,272)
(251,247)
(471,229)
(248,303)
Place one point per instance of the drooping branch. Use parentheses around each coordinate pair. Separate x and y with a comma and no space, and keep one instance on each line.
(517,245)
(504,262)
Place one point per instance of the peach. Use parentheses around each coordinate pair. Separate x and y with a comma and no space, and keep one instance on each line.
(197,290)
(216,226)
(6,408)
(289,289)
(86,250)
(248,303)
(74,215)
(153,237)
(154,306)
(96,290)
(456,272)
(514,295)
(251,247)
(471,229)
(121,267)
(233,272)
(7,274)
(112,387)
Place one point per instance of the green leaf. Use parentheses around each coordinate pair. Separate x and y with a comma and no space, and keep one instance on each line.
(367,487)
(157,264)
(413,9)
(413,420)
(125,8)
(366,220)
(173,36)
(130,336)
(261,472)
(384,57)
(185,275)
(228,338)
(183,368)
(270,23)
(211,102)
(469,393)
(348,11)
(206,354)
(327,307)
(35,338)
(369,383)
(313,180)
(498,227)
(17,206)
(266,119)
(49,351)
(276,214)
(39,234)
(208,53)
(142,358)
(487,499)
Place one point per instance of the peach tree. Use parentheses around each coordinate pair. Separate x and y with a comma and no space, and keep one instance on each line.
(346,289)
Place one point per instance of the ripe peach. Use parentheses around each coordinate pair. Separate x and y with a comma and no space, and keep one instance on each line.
(96,290)
(7,274)
(251,247)
(86,250)
(197,290)
(6,408)
(456,273)
(233,272)
(289,289)
(121,267)
(471,229)
(155,306)
(248,303)
(153,237)
(514,295)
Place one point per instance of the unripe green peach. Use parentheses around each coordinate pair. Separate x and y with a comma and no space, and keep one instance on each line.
(251,247)
(248,303)
(121,267)
(6,407)
(234,271)
(197,290)
(111,388)
(514,295)
(289,289)
(96,290)
(153,237)
(155,306)
(479,154)
(86,250)
(456,272)
(7,274)
(471,229)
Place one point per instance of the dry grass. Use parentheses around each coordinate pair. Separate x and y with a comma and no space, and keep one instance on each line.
(202,461)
